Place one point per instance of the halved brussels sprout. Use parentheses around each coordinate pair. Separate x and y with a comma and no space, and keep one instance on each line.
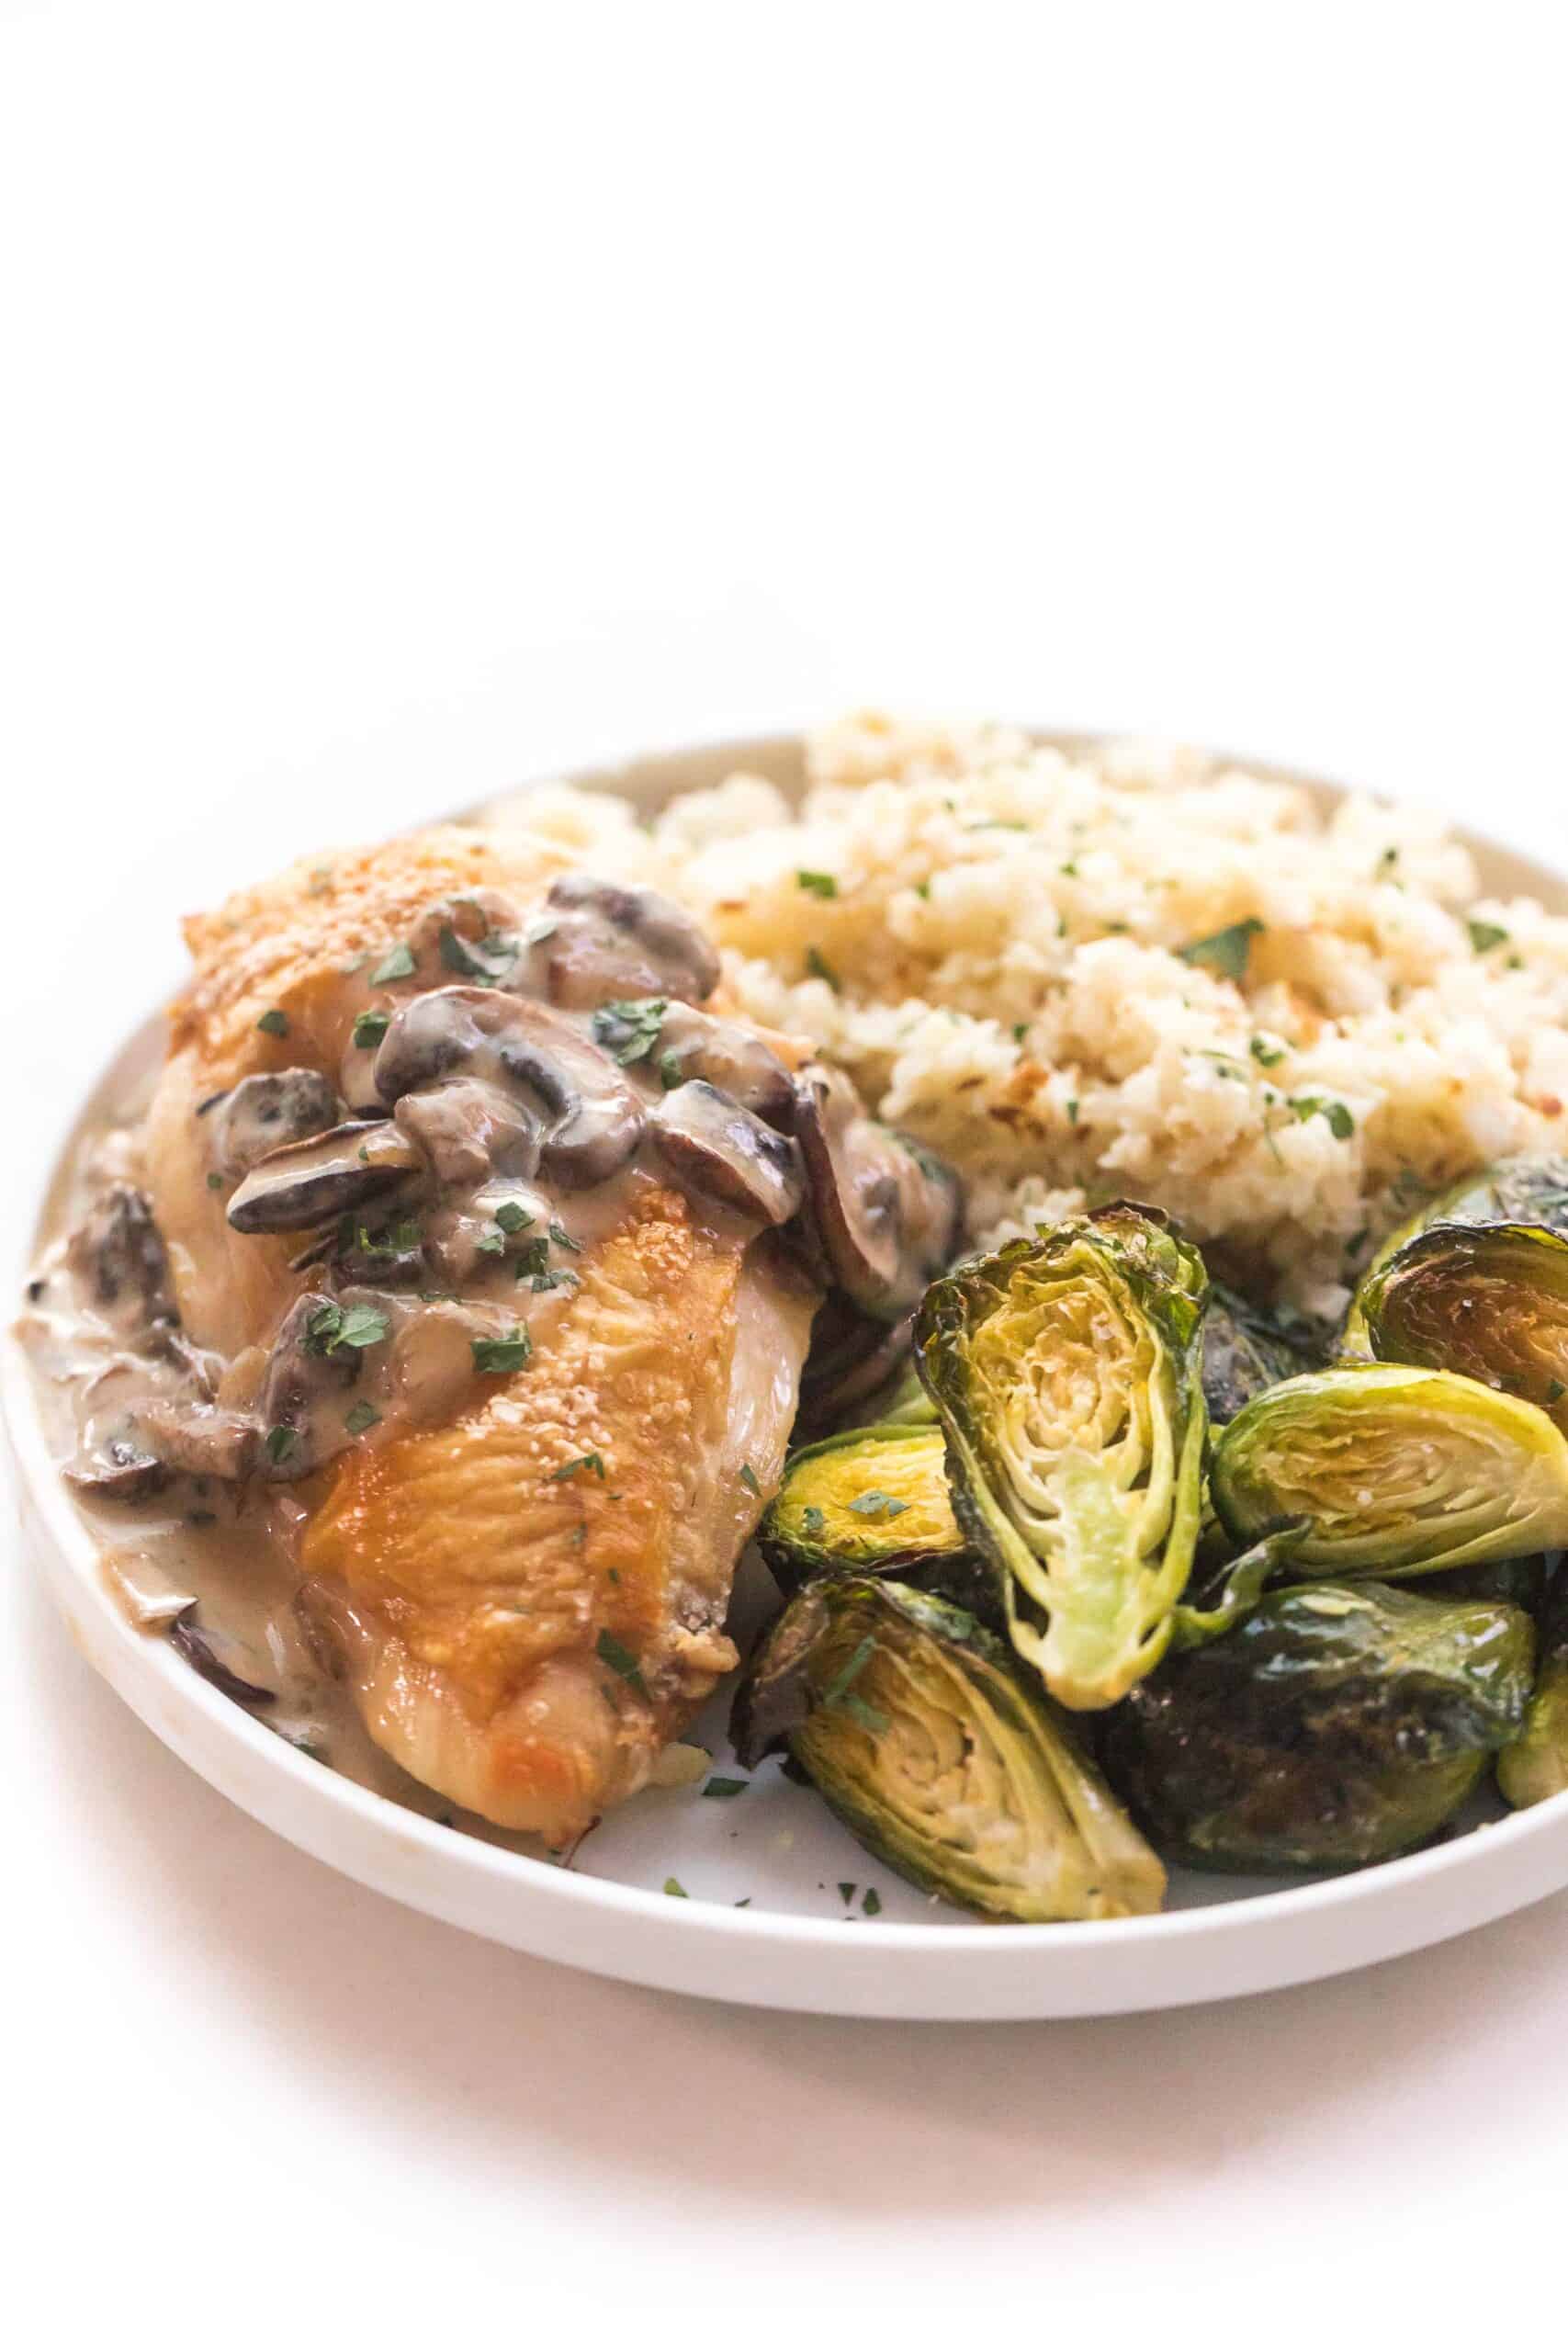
(1066,1374)
(1336,1724)
(1399,1470)
(1489,1300)
(923,1734)
(1526,1190)
(1247,1350)
(873,1499)
(1535,1766)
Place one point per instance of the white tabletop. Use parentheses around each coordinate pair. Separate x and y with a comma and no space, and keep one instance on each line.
(396,403)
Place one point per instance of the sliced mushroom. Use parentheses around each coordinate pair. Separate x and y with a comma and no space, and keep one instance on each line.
(195,1647)
(593,1120)
(852,1355)
(468,1126)
(887,1208)
(116,1469)
(119,1252)
(203,1441)
(263,1112)
(716,1148)
(306,1391)
(606,939)
(472,935)
(692,1044)
(486,1230)
(305,1183)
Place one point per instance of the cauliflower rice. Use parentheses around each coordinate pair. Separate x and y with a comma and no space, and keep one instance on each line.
(1132,974)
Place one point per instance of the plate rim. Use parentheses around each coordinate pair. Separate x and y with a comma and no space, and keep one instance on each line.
(974,1972)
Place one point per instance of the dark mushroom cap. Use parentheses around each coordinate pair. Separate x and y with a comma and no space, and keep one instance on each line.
(120,1252)
(607,940)
(693,1043)
(887,1208)
(717,1147)
(593,1120)
(306,1183)
(264,1112)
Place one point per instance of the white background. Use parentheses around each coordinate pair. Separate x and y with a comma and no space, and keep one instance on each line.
(395,401)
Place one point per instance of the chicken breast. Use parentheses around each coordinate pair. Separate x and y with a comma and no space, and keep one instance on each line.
(520,1336)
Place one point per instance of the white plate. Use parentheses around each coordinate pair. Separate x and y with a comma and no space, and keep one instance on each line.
(798,1944)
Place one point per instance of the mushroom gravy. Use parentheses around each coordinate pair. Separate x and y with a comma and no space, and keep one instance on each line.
(486,1127)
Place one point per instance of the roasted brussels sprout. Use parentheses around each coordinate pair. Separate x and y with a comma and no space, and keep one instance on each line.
(1489,1300)
(924,1735)
(1066,1374)
(1521,1191)
(1399,1470)
(1247,1350)
(1336,1724)
(874,1499)
(1535,1766)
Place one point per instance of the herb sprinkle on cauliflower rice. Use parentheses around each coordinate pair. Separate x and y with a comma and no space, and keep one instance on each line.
(1135,972)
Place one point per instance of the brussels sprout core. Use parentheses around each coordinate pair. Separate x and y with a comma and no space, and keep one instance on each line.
(1065,1371)
(920,1732)
(1398,1469)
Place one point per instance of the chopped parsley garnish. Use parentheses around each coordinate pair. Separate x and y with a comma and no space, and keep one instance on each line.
(1225,952)
(748,1479)
(1341,1125)
(670,1074)
(512,1216)
(396,965)
(870,1719)
(1265,1053)
(876,1505)
(364,1417)
(1556,1392)
(483,965)
(1070,868)
(871,1903)
(628,1027)
(847,1889)
(214,1182)
(620,1661)
(562,1237)
(1485,935)
(491,1245)
(740,1902)
(369,1028)
(813,1526)
(503,1355)
(821,886)
(1073,1111)
(851,1669)
(281,1442)
(332,1327)
(274,1023)
(721,1785)
(673,1886)
(533,1258)
(594,1462)
(819,968)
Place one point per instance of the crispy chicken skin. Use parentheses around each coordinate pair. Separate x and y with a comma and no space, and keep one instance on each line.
(525,1597)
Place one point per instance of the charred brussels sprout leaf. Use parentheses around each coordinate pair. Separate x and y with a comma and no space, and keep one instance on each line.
(1523,1190)
(1489,1300)
(927,1740)
(1337,1724)
(1535,1766)
(874,1500)
(1400,1470)
(1065,1371)
(1247,1350)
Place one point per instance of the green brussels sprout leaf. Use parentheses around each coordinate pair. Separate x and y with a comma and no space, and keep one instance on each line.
(1399,1469)
(1066,1374)
(1334,1725)
(1489,1300)
(941,1754)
